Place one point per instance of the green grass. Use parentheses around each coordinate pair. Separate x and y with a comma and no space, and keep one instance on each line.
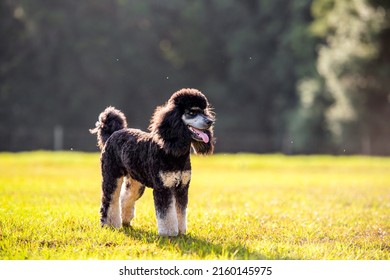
(241,207)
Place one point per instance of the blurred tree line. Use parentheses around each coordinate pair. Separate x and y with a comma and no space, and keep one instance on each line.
(297,76)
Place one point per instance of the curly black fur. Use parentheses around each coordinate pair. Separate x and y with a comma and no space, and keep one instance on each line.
(159,159)
(110,120)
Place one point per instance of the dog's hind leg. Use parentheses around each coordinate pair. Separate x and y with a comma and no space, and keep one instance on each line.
(110,209)
(132,190)
(165,205)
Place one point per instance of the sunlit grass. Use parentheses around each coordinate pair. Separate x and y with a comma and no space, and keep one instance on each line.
(241,207)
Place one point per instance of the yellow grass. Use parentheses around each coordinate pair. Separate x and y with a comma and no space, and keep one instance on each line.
(241,207)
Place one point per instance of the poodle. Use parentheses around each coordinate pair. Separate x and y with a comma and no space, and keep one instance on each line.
(160,159)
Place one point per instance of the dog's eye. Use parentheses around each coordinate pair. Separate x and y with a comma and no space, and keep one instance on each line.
(191,113)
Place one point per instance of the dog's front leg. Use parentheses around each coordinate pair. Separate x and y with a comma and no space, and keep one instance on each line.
(165,206)
(181,198)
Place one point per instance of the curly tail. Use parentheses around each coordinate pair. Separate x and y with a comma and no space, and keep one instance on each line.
(110,120)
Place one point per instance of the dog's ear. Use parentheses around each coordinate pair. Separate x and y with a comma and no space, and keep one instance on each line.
(171,125)
(167,124)
(201,148)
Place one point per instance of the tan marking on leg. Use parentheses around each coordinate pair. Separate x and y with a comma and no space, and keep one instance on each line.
(182,220)
(170,179)
(114,212)
(185,177)
(128,198)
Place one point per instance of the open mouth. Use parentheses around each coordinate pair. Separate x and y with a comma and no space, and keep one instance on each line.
(198,134)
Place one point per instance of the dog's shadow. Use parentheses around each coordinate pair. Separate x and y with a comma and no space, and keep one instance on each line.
(194,247)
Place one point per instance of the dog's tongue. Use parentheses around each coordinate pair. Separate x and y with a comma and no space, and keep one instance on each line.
(201,134)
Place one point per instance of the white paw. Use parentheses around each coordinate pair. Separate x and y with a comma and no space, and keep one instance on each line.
(167,232)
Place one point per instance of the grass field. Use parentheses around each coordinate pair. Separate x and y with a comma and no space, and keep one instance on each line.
(241,207)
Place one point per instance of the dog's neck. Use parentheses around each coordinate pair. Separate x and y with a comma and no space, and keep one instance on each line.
(176,147)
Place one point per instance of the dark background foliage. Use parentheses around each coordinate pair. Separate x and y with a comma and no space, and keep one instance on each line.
(284,76)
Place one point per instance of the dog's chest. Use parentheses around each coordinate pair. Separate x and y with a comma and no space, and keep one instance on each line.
(172,179)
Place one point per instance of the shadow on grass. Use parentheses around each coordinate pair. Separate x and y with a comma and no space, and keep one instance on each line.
(194,246)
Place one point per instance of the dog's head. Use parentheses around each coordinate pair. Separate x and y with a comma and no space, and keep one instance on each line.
(187,117)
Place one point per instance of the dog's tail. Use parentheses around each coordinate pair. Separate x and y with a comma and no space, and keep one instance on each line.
(110,120)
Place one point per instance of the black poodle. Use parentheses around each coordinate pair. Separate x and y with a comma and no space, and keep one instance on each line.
(159,159)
